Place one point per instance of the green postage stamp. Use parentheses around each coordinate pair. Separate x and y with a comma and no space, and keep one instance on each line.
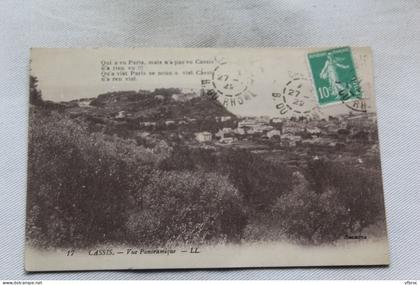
(334,76)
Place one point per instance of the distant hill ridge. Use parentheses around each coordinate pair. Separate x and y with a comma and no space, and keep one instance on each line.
(162,103)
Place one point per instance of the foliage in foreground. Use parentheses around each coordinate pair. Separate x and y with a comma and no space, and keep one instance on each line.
(88,188)
(182,207)
(339,200)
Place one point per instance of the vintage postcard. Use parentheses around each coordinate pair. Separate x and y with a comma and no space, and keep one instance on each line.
(203,158)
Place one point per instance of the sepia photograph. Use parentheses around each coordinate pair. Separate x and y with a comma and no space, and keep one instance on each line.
(203,158)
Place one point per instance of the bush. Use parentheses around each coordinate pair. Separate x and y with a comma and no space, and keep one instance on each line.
(88,188)
(259,181)
(308,217)
(179,207)
(337,200)
(79,183)
(359,189)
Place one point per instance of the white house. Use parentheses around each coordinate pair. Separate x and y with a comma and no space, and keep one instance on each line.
(219,134)
(290,140)
(314,131)
(276,120)
(121,114)
(273,133)
(148,124)
(240,131)
(84,102)
(227,140)
(203,136)
(169,122)
(223,118)
(183,97)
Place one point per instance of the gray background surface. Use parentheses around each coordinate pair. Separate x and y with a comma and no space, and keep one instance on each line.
(391,28)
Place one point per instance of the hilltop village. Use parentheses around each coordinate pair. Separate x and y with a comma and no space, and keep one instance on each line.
(258,178)
(169,117)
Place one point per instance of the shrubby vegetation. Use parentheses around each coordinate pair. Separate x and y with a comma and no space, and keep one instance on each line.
(87,188)
(78,182)
(335,199)
(35,95)
(183,206)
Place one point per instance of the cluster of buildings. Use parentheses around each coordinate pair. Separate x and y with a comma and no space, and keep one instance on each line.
(184,97)
(291,132)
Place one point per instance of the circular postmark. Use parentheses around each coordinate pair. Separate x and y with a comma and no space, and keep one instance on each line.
(352,96)
(358,105)
(294,98)
(231,84)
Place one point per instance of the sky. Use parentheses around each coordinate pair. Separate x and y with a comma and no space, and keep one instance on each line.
(236,74)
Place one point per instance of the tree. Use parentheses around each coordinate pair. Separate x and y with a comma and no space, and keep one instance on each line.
(310,217)
(35,95)
(186,207)
(329,200)
(259,180)
(80,184)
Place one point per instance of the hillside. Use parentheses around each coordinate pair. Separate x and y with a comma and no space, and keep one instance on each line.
(161,104)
